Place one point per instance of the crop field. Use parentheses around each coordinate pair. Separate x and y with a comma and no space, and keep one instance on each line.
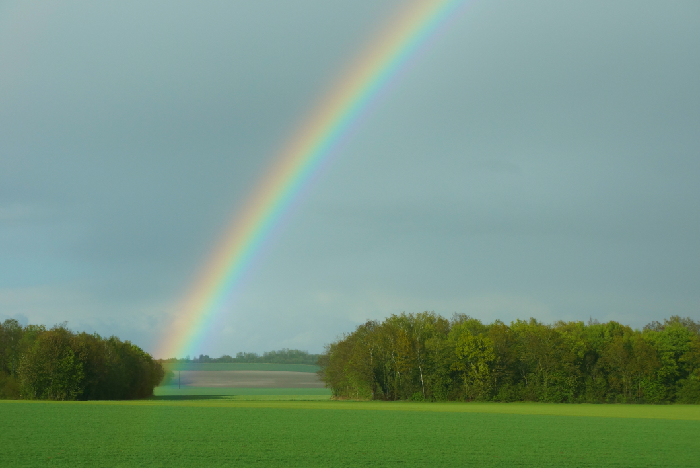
(222,432)
(246,379)
(170,392)
(240,366)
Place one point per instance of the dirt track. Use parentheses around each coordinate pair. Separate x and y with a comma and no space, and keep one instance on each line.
(248,379)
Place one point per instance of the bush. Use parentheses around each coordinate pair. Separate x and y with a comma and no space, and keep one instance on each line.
(9,387)
(689,392)
(58,364)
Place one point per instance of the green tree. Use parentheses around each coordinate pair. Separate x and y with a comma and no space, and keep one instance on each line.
(423,356)
(50,370)
(11,338)
(671,343)
(689,387)
(472,356)
(504,366)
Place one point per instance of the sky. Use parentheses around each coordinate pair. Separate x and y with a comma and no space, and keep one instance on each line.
(533,159)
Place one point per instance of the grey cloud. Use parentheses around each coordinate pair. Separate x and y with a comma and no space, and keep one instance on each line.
(540,152)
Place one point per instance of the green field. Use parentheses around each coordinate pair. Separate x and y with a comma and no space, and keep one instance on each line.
(218,432)
(285,394)
(243,366)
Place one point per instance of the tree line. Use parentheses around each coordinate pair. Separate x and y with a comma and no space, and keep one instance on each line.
(427,357)
(58,364)
(282,356)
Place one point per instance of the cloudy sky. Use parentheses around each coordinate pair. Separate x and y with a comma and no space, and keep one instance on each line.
(535,159)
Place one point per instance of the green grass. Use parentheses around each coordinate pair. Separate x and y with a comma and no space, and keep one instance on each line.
(208,366)
(217,432)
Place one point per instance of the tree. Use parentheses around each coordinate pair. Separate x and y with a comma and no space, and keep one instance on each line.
(60,365)
(472,357)
(423,356)
(50,370)
(689,388)
(11,336)
(504,365)
(545,362)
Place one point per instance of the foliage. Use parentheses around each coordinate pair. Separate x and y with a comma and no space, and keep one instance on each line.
(426,357)
(58,364)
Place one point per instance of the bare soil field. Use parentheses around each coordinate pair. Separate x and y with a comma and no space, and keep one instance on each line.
(237,366)
(247,379)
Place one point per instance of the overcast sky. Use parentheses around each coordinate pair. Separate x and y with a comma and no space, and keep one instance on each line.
(537,159)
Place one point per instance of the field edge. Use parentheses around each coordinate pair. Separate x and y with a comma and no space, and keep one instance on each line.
(670,412)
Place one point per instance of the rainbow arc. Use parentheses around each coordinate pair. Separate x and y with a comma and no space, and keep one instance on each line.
(297,162)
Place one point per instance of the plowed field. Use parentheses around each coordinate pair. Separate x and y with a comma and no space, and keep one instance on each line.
(247,379)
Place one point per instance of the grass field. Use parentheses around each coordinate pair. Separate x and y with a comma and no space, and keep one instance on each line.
(193,366)
(218,432)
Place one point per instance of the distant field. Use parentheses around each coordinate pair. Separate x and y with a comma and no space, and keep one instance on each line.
(246,379)
(173,390)
(228,393)
(216,432)
(250,379)
(191,366)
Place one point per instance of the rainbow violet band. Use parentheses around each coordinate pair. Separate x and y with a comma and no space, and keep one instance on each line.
(295,166)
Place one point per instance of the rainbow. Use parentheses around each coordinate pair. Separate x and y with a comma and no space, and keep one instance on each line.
(296,165)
